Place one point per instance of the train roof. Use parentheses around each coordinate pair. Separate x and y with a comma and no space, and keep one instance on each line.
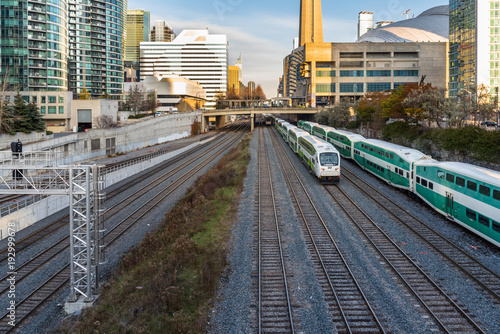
(403,151)
(479,173)
(350,135)
(310,123)
(319,144)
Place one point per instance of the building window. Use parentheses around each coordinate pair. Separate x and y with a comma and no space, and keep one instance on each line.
(351,87)
(52,99)
(325,88)
(43,99)
(61,99)
(406,73)
(26,99)
(379,73)
(61,109)
(34,99)
(329,74)
(351,73)
(52,110)
(42,110)
(378,86)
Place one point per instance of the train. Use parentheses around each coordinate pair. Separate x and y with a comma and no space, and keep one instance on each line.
(320,157)
(465,194)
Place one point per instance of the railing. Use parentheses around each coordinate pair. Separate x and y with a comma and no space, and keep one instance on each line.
(18,204)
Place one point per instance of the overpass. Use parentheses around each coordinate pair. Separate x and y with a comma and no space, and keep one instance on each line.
(221,114)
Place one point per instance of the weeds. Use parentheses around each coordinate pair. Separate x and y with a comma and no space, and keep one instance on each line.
(168,282)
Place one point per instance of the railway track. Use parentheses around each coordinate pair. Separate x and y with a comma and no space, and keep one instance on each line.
(30,303)
(486,279)
(350,308)
(274,306)
(445,313)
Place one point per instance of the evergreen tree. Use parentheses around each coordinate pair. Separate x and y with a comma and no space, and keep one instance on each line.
(22,122)
(36,118)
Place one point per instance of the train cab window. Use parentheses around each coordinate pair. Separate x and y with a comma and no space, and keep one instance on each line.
(471,214)
(483,190)
(328,159)
(424,183)
(484,221)
(460,182)
(471,185)
(450,178)
(496,226)
(496,195)
(440,174)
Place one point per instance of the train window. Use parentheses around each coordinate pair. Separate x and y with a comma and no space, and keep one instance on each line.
(496,195)
(440,174)
(484,221)
(450,178)
(460,182)
(471,185)
(383,170)
(483,190)
(424,183)
(401,172)
(407,175)
(431,186)
(471,214)
(418,179)
(386,155)
(496,226)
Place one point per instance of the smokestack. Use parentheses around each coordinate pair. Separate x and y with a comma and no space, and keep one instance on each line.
(365,23)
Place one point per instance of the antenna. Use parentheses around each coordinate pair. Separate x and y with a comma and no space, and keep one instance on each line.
(406,13)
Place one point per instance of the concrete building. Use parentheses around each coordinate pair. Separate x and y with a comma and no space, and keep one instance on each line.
(162,32)
(172,92)
(85,113)
(474,49)
(311,23)
(195,55)
(382,59)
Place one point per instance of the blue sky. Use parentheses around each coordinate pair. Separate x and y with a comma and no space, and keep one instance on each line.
(263,31)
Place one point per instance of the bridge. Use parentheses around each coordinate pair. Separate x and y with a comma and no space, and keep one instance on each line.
(220,115)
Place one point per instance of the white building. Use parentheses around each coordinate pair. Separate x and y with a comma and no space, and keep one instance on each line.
(195,55)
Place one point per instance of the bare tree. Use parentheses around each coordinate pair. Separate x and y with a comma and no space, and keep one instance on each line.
(105,122)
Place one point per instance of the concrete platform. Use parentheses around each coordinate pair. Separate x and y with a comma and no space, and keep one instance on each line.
(80,304)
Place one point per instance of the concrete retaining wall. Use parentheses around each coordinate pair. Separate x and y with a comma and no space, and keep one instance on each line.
(52,204)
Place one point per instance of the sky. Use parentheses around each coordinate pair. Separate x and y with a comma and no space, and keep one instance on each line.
(262,31)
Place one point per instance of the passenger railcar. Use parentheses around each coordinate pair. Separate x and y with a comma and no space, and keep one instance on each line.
(344,141)
(293,136)
(307,126)
(321,131)
(286,130)
(320,157)
(464,193)
(390,162)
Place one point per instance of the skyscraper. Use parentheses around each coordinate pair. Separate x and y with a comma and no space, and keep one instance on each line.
(311,23)
(137,31)
(63,44)
(162,32)
(474,51)
(194,54)
(34,44)
(96,29)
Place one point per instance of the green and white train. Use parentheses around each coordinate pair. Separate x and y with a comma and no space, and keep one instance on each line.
(321,131)
(344,142)
(293,138)
(320,157)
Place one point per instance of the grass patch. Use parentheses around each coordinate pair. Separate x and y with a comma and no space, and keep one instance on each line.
(167,284)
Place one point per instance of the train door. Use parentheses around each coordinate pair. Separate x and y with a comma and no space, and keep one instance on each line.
(449,204)
(389,174)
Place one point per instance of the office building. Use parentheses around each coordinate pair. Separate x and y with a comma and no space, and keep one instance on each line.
(195,55)
(382,59)
(162,32)
(233,82)
(474,48)
(137,31)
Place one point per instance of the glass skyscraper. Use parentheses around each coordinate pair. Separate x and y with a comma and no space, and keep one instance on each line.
(474,44)
(57,45)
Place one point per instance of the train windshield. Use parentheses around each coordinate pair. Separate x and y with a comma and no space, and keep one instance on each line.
(328,159)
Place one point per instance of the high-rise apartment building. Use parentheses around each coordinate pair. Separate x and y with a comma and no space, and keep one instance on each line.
(162,32)
(194,54)
(474,44)
(138,23)
(63,45)
(34,44)
(96,31)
